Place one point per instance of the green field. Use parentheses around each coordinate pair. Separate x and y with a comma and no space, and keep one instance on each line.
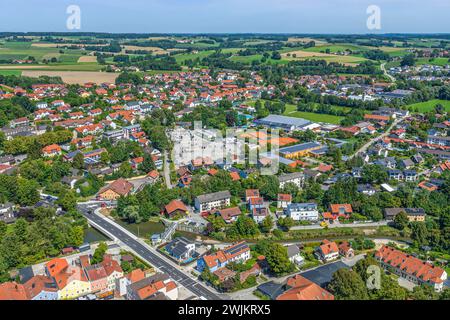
(315,117)
(433,61)
(429,105)
(337,48)
(22,50)
(10,72)
(181,57)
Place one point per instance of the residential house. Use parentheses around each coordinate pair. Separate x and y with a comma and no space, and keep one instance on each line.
(302,211)
(366,189)
(413,214)
(300,288)
(346,250)
(294,254)
(12,291)
(327,251)
(411,268)
(284,200)
(41,287)
(259,214)
(175,207)
(51,150)
(156,287)
(239,252)
(229,215)
(251,193)
(181,249)
(217,200)
(296,178)
(338,211)
(115,190)
(97,277)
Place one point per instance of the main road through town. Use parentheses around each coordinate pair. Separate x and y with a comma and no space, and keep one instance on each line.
(146,252)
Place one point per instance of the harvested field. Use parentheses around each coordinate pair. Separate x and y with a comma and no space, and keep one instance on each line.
(21,66)
(45,45)
(87,59)
(75,77)
(156,50)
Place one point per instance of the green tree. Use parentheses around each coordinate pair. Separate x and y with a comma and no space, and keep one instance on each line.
(347,285)
(401,220)
(267,224)
(78,161)
(99,253)
(277,258)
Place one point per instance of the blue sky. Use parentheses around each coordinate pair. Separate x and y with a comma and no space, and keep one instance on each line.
(216,16)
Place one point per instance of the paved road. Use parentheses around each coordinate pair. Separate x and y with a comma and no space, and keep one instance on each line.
(372,141)
(149,255)
(386,73)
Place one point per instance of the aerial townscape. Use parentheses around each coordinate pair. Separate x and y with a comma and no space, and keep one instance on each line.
(119,179)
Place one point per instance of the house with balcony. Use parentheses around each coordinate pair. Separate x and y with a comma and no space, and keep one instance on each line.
(210,201)
(302,211)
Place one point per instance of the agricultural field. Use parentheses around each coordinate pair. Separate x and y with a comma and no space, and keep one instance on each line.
(23,50)
(10,72)
(74,77)
(429,105)
(181,57)
(304,55)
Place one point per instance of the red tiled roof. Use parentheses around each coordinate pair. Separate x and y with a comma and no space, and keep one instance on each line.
(409,264)
(120,186)
(175,205)
(304,289)
(336,208)
(56,266)
(249,193)
(376,117)
(328,247)
(234,176)
(12,291)
(284,197)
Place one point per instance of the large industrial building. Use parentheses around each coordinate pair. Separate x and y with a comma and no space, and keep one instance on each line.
(286,123)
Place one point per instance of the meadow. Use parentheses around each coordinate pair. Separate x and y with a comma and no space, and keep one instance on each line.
(291,111)
(429,105)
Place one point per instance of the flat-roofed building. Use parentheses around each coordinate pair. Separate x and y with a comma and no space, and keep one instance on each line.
(302,211)
(283,122)
(299,150)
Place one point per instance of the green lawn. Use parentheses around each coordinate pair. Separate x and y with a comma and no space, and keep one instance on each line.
(291,111)
(316,117)
(429,105)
